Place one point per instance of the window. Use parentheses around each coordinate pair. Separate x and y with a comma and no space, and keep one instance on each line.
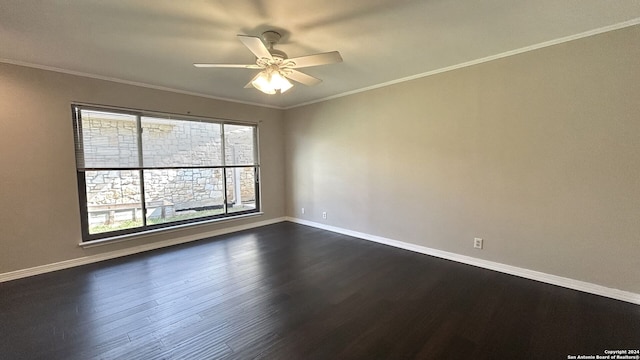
(139,171)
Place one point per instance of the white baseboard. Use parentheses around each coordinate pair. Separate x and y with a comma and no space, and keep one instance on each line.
(503,268)
(129,251)
(507,269)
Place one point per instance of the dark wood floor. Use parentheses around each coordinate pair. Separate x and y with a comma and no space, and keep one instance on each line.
(288,291)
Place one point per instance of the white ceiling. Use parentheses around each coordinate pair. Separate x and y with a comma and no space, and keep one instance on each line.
(155,42)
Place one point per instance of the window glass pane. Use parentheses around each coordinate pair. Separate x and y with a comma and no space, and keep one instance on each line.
(109,140)
(113,200)
(180,194)
(175,143)
(241,189)
(239,145)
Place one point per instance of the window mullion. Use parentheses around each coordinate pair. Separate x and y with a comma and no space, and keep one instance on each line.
(224,169)
(141,166)
(257,185)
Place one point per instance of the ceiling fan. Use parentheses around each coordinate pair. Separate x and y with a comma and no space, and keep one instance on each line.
(275,66)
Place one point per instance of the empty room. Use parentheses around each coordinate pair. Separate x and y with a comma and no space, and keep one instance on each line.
(261,179)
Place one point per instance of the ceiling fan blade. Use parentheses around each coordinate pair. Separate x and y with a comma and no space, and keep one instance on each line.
(303,78)
(317,59)
(206,65)
(256,46)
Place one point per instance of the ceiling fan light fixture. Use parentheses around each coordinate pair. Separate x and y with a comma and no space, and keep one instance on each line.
(263,83)
(269,82)
(280,82)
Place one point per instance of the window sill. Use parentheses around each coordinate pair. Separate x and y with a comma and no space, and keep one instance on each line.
(140,235)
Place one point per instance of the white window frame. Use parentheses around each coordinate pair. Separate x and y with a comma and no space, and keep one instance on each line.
(149,228)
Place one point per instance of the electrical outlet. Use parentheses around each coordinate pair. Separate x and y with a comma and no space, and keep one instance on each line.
(302,210)
(324,214)
(477,243)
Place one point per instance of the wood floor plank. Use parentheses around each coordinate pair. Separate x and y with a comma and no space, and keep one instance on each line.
(287,291)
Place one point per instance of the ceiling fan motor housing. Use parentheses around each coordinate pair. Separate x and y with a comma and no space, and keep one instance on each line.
(278,54)
(271,37)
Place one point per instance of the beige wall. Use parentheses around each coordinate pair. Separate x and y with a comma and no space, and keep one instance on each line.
(539,154)
(37,160)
